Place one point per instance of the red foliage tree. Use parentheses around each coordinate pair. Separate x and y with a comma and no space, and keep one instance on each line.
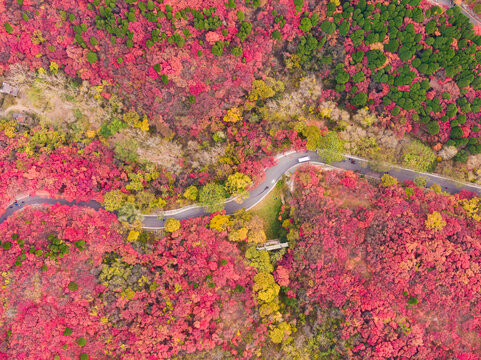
(404,289)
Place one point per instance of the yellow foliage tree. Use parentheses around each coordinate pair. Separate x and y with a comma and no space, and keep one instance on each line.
(256,230)
(238,234)
(265,89)
(172,225)
(142,125)
(259,259)
(280,332)
(159,203)
(113,200)
(146,201)
(387,180)
(293,235)
(268,308)
(8,127)
(325,112)
(265,287)
(313,135)
(53,67)
(436,188)
(191,193)
(131,118)
(233,115)
(219,222)
(472,207)
(435,221)
(237,184)
(133,235)
(90,133)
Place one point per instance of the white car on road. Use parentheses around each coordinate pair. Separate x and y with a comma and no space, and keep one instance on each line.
(304,159)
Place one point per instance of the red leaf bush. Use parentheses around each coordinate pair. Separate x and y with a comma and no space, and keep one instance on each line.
(158,53)
(189,291)
(404,289)
(70,172)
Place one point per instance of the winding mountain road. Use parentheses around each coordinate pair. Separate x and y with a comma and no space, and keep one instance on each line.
(286,163)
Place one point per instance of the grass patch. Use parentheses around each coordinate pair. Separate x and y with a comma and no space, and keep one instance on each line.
(268,209)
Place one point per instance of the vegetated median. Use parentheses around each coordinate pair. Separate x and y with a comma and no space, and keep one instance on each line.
(268,210)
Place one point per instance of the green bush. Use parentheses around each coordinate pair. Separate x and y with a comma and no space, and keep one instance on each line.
(474,148)
(8,28)
(212,196)
(418,15)
(461,156)
(92,57)
(331,7)
(358,77)
(456,132)
(72,286)
(344,28)
(244,31)
(406,53)
(375,59)
(359,100)
(298,4)
(451,110)
(418,156)
(433,127)
(276,34)
(305,24)
(342,77)
(331,147)
(372,38)
(236,51)
(328,27)
(357,37)
(307,47)
(358,56)
(126,150)
(218,48)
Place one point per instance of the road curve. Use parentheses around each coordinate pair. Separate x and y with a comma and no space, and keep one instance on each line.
(286,163)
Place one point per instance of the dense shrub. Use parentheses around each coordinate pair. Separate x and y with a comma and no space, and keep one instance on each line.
(106,297)
(385,260)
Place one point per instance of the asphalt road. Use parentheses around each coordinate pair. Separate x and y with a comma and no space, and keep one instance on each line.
(285,164)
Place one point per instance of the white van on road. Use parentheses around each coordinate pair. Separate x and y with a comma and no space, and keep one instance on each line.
(304,159)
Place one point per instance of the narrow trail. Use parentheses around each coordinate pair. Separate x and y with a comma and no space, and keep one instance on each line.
(286,163)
